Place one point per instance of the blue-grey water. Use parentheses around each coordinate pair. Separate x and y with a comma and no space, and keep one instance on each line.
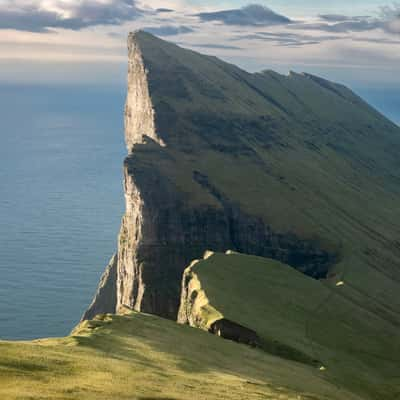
(61,153)
(386,100)
(61,202)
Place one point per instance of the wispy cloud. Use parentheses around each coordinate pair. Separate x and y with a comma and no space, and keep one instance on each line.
(287,39)
(41,15)
(341,18)
(356,25)
(168,30)
(387,21)
(212,46)
(251,15)
(391,16)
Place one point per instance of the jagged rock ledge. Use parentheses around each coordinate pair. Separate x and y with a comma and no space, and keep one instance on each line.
(105,300)
(195,310)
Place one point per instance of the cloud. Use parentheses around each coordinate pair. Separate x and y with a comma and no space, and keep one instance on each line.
(388,21)
(357,25)
(376,40)
(168,30)
(393,26)
(213,46)
(288,39)
(251,15)
(41,16)
(391,16)
(164,10)
(391,12)
(340,18)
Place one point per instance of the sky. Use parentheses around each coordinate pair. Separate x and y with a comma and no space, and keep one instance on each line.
(84,41)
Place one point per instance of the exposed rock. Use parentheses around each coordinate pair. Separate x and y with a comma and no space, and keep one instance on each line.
(207,254)
(195,308)
(105,300)
(130,287)
(139,112)
(232,331)
(161,235)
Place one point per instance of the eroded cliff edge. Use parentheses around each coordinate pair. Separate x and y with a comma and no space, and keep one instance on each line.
(221,159)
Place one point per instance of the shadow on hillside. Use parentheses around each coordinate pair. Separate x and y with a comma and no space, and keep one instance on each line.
(151,342)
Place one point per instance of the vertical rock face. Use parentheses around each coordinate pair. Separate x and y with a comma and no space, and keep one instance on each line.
(139,112)
(130,286)
(105,300)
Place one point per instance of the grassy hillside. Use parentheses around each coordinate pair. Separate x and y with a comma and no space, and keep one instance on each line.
(301,318)
(139,356)
(306,156)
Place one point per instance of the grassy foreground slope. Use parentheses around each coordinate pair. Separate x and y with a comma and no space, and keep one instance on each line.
(300,318)
(139,356)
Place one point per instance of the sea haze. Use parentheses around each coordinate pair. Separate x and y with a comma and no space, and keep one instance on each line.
(61,199)
(386,100)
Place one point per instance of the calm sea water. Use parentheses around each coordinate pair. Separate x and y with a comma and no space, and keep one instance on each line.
(61,200)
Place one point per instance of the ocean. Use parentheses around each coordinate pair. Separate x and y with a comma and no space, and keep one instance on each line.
(386,100)
(61,199)
(61,202)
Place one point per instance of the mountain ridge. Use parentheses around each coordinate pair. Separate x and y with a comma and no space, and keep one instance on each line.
(313,149)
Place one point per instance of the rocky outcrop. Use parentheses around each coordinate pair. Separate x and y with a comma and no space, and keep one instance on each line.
(139,111)
(195,308)
(105,300)
(232,331)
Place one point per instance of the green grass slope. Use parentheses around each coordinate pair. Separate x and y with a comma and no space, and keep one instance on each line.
(138,356)
(301,318)
(305,155)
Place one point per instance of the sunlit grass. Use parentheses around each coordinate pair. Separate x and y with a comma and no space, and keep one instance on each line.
(144,357)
